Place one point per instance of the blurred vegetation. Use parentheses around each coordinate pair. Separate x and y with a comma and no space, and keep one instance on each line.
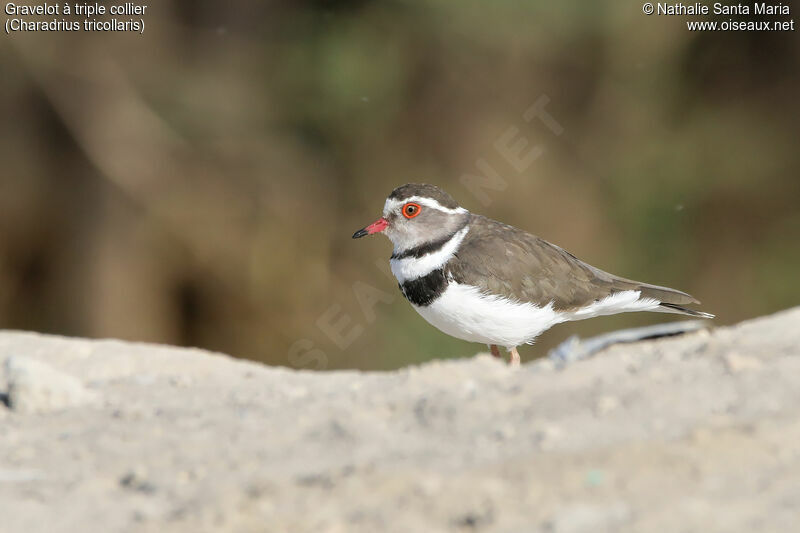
(199,184)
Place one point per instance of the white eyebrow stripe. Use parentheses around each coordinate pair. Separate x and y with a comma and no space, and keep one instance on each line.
(393,204)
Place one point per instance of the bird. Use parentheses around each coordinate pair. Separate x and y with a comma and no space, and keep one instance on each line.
(480,280)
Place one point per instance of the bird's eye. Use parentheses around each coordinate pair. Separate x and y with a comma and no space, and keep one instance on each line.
(410,210)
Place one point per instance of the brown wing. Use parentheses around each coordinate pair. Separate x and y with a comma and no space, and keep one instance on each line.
(503,260)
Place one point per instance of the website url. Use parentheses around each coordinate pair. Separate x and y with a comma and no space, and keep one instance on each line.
(734,25)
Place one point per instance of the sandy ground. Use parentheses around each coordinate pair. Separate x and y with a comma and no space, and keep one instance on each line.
(695,433)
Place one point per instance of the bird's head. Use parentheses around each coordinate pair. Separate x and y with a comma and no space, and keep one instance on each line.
(416,214)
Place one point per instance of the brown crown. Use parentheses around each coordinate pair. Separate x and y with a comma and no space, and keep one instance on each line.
(426,191)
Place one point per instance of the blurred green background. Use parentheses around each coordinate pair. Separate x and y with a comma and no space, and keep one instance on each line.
(199,184)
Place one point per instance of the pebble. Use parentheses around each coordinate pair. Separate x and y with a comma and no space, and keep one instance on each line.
(736,363)
(181,381)
(580,517)
(35,387)
(136,479)
(605,404)
(548,436)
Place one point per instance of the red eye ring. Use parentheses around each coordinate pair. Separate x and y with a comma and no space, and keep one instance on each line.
(410,210)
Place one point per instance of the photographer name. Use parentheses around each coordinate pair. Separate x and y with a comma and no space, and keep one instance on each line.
(758,8)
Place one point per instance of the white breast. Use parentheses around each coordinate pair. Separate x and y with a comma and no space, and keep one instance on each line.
(465,313)
(462,311)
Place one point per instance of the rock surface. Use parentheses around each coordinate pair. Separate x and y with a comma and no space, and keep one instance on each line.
(693,433)
(35,387)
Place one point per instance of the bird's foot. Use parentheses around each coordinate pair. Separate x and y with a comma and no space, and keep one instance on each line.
(513,357)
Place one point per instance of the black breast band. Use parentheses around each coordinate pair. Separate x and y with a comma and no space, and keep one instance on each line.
(424,290)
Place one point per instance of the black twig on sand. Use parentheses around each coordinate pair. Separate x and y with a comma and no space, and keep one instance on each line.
(574,349)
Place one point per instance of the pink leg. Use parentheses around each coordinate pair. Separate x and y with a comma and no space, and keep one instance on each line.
(513,356)
(495,350)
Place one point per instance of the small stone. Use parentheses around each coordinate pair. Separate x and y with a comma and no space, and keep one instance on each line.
(543,365)
(295,392)
(736,363)
(469,388)
(605,404)
(144,380)
(323,480)
(190,475)
(429,486)
(700,435)
(20,476)
(547,436)
(479,517)
(504,432)
(23,453)
(595,478)
(581,517)
(657,375)
(35,387)
(136,479)
(181,381)
(658,425)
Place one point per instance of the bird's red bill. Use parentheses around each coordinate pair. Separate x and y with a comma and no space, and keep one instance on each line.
(376,227)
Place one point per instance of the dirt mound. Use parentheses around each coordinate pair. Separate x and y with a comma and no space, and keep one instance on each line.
(694,433)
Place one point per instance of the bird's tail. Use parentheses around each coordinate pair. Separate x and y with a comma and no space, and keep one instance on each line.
(675,308)
(671,300)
